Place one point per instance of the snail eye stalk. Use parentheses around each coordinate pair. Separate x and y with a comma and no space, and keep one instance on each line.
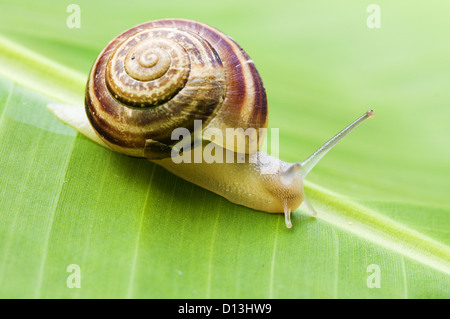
(313,159)
(303,168)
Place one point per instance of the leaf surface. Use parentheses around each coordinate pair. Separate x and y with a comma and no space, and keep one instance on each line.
(137,231)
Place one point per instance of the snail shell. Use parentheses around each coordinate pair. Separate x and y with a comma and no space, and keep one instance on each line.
(165,74)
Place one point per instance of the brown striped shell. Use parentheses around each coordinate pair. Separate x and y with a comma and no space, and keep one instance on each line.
(165,74)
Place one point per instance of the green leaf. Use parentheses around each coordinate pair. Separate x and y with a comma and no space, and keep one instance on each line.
(135,230)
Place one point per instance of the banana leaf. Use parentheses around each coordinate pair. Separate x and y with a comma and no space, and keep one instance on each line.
(80,221)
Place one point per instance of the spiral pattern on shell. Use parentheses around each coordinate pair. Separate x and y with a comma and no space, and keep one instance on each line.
(166,74)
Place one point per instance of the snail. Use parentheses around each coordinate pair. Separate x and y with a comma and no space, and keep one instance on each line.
(175,74)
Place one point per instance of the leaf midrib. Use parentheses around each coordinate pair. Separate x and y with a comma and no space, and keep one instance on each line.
(371,225)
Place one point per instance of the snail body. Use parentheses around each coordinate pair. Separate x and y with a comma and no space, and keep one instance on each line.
(167,75)
(255,183)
